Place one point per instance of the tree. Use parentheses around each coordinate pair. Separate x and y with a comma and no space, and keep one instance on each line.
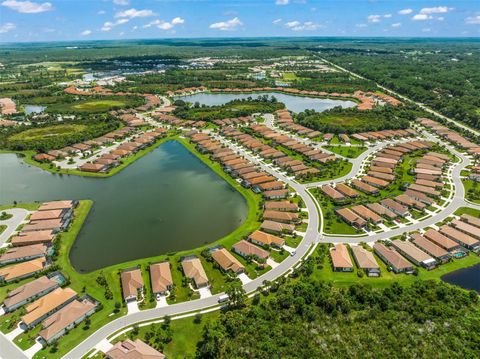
(236,295)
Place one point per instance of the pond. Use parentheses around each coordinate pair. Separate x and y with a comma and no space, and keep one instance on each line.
(167,201)
(29,109)
(467,278)
(294,103)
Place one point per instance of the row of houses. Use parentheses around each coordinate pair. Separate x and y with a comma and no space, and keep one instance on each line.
(285,121)
(237,166)
(112,159)
(293,166)
(383,135)
(418,196)
(427,250)
(452,136)
(313,154)
(30,250)
(85,148)
(57,309)
(175,121)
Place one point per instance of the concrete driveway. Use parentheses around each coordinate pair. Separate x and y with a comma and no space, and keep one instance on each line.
(18,216)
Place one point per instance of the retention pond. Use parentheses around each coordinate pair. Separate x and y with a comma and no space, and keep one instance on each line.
(167,201)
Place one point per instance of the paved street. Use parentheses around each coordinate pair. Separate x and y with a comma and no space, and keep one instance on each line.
(19,215)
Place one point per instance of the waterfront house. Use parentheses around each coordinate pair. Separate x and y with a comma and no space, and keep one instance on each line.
(23,270)
(414,254)
(226,261)
(161,277)
(246,249)
(25,253)
(193,270)
(35,237)
(132,284)
(266,239)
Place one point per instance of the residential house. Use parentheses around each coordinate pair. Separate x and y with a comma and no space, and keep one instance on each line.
(366,261)
(392,258)
(246,249)
(132,284)
(129,349)
(340,257)
(23,270)
(265,239)
(226,261)
(414,254)
(25,253)
(193,269)
(161,277)
(28,292)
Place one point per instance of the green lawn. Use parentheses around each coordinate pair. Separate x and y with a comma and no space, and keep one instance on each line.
(106,103)
(472,190)
(471,211)
(347,151)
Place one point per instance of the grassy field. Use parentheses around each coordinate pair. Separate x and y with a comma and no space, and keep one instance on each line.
(472,190)
(51,131)
(106,103)
(347,151)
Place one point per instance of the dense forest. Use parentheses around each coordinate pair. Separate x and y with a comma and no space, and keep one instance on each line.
(351,120)
(51,135)
(446,79)
(313,319)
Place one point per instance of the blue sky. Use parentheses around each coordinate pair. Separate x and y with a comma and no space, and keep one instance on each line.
(65,20)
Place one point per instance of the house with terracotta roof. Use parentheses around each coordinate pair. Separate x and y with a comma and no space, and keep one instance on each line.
(460,237)
(23,270)
(47,305)
(30,238)
(66,319)
(193,270)
(366,261)
(332,193)
(442,241)
(161,277)
(341,261)
(474,221)
(351,217)
(276,227)
(392,258)
(28,292)
(247,249)
(281,206)
(132,284)
(21,254)
(279,216)
(226,261)
(265,239)
(129,349)
(276,194)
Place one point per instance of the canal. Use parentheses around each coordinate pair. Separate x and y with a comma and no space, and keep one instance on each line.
(167,201)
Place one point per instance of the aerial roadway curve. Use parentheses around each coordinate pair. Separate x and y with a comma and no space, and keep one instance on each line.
(199,304)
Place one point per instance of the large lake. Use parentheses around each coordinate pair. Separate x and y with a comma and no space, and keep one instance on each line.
(467,278)
(166,201)
(293,103)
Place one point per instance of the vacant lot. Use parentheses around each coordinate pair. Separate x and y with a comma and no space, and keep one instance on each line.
(50,131)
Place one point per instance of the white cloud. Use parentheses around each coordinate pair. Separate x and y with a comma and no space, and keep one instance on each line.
(121,21)
(473,20)
(421,17)
(387,16)
(7,27)
(86,33)
(132,13)
(27,7)
(177,21)
(282,2)
(164,25)
(277,21)
(228,25)
(440,18)
(405,11)
(121,2)
(397,24)
(306,26)
(101,12)
(107,26)
(435,10)
(374,18)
